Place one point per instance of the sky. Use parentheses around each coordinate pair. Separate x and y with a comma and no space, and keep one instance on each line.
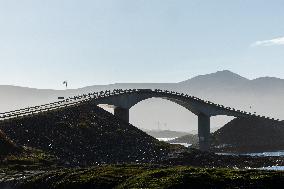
(95,42)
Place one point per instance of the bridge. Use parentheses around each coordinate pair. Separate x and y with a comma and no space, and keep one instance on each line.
(123,100)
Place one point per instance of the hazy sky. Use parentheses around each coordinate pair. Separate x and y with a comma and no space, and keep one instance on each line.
(87,42)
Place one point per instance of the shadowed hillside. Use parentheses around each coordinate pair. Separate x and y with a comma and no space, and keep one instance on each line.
(250,135)
(6,145)
(84,135)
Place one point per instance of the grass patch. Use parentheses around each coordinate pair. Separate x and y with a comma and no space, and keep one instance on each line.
(149,176)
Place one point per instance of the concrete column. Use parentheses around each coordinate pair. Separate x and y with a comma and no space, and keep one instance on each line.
(204,132)
(122,113)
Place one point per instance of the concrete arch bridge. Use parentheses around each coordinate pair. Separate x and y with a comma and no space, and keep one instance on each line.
(123,100)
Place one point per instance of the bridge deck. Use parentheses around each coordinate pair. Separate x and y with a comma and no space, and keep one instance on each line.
(98,96)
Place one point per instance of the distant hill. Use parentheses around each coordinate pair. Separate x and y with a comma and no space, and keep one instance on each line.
(262,95)
(189,138)
(250,135)
(165,133)
(85,135)
(215,81)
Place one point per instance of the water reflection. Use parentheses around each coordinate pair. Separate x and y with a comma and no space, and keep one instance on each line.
(261,154)
(273,168)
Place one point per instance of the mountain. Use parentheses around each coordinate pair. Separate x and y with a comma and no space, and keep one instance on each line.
(219,80)
(262,95)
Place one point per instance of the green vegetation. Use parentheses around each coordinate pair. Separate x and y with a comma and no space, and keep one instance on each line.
(146,176)
(28,159)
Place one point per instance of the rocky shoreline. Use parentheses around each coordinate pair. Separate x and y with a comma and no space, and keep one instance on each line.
(249,135)
(88,147)
(140,176)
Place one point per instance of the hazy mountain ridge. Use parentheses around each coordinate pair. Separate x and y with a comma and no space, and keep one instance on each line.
(230,82)
(221,77)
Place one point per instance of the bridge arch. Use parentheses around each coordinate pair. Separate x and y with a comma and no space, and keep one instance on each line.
(122,111)
(158,113)
(122,104)
(128,100)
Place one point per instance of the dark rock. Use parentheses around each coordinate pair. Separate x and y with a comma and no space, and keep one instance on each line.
(6,145)
(250,135)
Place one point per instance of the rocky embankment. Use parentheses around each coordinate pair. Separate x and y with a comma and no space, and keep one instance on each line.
(246,135)
(7,146)
(85,135)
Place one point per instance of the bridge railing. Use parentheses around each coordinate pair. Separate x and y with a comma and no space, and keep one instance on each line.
(58,104)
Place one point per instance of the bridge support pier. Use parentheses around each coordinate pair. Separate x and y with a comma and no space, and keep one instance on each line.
(122,113)
(204,132)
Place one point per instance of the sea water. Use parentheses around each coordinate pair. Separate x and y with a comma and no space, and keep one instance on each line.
(265,154)
(166,139)
(260,154)
(273,168)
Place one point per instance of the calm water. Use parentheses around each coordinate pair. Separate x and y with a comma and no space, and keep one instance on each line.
(264,154)
(166,139)
(273,168)
(261,154)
